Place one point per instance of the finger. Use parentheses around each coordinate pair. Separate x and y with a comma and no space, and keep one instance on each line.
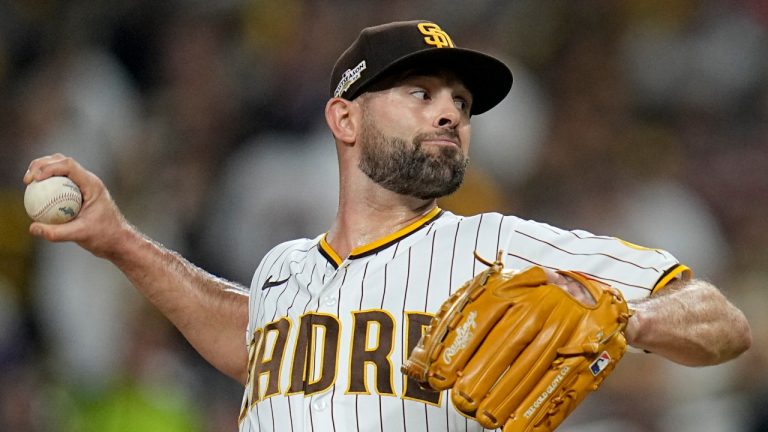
(38,168)
(552,275)
(529,369)
(586,290)
(468,331)
(61,165)
(56,233)
(538,403)
(57,165)
(575,288)
(494,356)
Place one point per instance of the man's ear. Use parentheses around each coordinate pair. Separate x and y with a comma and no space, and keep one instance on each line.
(339,114)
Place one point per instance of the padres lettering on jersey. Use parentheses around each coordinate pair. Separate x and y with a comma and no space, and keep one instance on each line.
(326,336)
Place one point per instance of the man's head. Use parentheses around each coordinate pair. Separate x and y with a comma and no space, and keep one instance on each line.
(388,49)
(401,100)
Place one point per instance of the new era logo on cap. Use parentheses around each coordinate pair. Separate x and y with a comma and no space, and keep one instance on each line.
(386,49)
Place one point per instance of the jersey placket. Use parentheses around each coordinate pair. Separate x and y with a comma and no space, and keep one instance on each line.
(325,299)
(319,407)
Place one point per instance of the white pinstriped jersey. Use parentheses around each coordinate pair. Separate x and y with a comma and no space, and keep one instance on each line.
(327,336)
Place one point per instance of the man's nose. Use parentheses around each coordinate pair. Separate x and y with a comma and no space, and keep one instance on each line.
(449,114)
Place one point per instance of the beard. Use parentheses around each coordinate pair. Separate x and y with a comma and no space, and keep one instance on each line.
(406,168)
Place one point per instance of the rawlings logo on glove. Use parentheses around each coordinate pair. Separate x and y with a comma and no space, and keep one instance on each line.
(463,336)
(518,350)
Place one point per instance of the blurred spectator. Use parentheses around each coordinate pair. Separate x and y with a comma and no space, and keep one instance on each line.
(275,188)
(507,141)
(153,391)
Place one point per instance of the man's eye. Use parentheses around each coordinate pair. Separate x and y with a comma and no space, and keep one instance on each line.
(461,104)
(421,94)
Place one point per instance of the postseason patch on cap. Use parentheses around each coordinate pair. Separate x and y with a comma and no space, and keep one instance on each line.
(348,78)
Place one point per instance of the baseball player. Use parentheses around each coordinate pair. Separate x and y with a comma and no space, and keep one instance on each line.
(319,337)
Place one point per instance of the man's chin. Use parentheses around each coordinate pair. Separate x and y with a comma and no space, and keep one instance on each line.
(444,189)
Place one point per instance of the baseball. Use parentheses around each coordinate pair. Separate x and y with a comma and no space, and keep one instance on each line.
(55,200)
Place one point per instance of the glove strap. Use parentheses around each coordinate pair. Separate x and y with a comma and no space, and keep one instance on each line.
(494,267)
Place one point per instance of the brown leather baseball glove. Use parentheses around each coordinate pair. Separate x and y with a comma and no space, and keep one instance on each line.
(519,351)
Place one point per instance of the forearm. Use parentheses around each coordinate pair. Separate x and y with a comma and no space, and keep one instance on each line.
(210,312)
(690,323)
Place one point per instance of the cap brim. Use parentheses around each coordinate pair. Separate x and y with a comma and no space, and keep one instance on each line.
(488,79)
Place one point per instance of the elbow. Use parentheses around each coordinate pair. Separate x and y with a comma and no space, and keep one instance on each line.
(739,340)
(720,347)
(734,335)
(742,336)
(237,372)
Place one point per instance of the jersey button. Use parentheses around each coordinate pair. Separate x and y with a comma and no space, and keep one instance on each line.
(331,301)
(319,405)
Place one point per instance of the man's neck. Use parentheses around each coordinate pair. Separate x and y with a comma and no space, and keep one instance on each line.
(363,219)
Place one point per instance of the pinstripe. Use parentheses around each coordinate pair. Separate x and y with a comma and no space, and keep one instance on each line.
(290,414)
(311,421)
(402,327)
(311,281)
(447,417)
(290,411)
(277,300)
(288,401)
(587,235)
(333,391)
(293,302)
(450,291)
(362,293)
(255,287)
(477,240)
(429,285)
(257,294)
(453,257)
(272,412)
(587,253)
(429,275)
(381,306)
(362,284)
(498,233)
(612,281)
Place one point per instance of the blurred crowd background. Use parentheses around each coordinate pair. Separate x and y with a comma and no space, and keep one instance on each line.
(643,119)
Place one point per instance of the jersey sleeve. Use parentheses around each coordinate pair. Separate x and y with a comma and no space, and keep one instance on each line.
(635,270)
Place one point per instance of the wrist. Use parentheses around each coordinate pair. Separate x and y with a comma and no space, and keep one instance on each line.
(633,331)
(125,242)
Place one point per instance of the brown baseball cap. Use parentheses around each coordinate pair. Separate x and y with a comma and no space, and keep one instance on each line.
(385,49)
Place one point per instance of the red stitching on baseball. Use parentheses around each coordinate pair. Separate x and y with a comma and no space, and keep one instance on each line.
(66,196)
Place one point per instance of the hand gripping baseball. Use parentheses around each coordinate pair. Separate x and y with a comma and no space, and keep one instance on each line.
(519,351)
(99,225)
